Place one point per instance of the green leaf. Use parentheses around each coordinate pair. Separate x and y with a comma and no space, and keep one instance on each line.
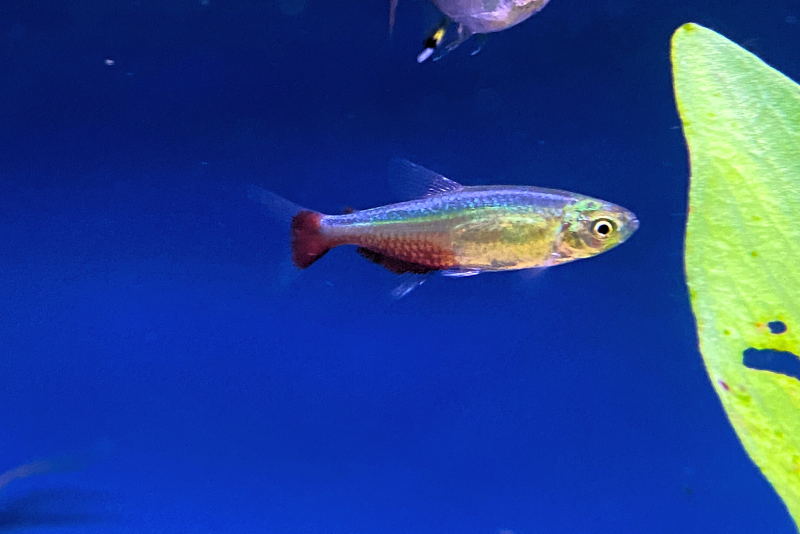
(741,120)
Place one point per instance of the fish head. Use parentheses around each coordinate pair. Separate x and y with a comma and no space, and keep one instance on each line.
(591,226)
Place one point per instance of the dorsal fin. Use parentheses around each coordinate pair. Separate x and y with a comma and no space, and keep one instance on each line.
(410,181)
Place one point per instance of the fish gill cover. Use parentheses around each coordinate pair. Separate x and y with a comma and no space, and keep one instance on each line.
(741,119)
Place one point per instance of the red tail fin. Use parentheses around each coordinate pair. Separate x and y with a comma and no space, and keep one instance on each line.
(308,244)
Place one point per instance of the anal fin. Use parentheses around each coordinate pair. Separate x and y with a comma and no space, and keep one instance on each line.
(394,265)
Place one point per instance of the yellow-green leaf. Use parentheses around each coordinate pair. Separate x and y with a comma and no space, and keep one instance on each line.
(741,119)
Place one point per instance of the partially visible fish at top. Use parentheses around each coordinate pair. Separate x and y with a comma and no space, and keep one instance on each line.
(464,18)
(458,230)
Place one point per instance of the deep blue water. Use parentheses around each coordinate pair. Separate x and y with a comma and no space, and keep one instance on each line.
(153,330)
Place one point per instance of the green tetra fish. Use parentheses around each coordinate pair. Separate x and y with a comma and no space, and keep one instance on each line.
(459,230)
(464,18)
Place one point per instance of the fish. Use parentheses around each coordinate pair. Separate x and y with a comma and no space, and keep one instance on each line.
(464,18)
(456,230)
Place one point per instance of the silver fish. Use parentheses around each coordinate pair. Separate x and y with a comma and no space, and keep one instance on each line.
(470,17)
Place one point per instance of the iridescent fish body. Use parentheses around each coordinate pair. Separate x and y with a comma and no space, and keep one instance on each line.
(487,16)
(462,230)
(470,17)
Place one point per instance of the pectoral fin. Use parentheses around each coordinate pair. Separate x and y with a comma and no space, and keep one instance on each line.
(408,283)
(460,273)
(480,42)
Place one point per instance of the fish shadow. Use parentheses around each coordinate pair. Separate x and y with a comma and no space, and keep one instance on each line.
(53,507)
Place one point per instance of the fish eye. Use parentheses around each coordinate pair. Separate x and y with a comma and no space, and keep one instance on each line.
(602,228)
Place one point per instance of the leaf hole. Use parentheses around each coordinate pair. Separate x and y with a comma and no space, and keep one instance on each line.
(777,327)
(776,361)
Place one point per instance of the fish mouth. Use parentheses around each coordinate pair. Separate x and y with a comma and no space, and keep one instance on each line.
(633,223)
(630,226)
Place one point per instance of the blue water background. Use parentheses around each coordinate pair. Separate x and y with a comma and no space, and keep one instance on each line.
(151,324)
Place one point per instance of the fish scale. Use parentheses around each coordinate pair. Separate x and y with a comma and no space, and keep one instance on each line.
(431,250)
